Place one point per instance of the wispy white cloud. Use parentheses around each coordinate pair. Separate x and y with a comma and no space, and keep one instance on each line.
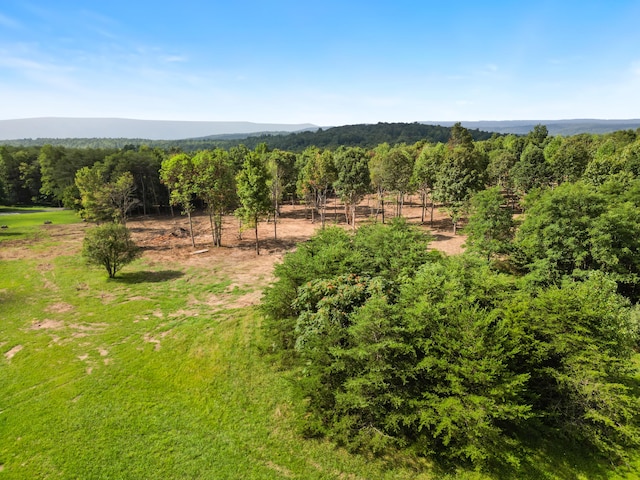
(9,22)
(174,58)
(20,65)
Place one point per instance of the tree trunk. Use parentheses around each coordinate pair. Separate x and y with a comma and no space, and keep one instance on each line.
(353,215)
(144,196)
(313,209)
(213,228)
(431,219)
(218,225)
(257,242)
(323,204)
(275,224)
(193,241)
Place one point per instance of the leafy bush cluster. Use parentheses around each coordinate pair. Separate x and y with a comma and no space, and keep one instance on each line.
(576,228)
(110,246)
(401,347)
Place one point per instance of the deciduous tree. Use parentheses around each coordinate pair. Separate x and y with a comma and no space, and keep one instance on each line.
(178,174)
(253,192)
(215,186)
(110,246)
(490,228)
(353,180)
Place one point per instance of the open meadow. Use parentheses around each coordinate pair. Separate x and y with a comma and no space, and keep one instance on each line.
(161,372)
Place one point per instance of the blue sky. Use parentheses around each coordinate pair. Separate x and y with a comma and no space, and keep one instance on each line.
(322,62)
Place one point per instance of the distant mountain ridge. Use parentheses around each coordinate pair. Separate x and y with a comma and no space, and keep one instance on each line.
(134,131)
(555,127)
(67,127)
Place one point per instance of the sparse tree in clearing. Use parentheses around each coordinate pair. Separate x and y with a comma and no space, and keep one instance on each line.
(353,179)
(215,186)
(425,172)
(461,174)
(253,192)
(400,166)
(104,201)
(378,172)
(318,174)
(178,174)
(121,196)
(110,245)
(94,199)
(283,175)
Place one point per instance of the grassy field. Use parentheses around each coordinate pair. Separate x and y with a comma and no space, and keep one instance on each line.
(27,222)
(141,378)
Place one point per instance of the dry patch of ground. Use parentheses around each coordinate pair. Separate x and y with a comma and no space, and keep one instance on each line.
(166,241)
(11,353)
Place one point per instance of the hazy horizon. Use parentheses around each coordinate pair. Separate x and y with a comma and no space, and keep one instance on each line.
(78,127)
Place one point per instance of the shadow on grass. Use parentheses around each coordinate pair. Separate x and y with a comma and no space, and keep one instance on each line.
(18,210)
(10,234)
(269,245)
(148,277)
(538,458)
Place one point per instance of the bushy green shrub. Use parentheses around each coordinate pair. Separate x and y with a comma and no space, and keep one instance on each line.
(110,245)
(401,348)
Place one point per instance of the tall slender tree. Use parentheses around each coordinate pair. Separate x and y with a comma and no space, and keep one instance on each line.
(215,186)
(353,180)
(178,174)
(253,192)
(461,174)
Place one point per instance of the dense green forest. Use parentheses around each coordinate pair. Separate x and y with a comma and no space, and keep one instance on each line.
(366,136)
(530,336)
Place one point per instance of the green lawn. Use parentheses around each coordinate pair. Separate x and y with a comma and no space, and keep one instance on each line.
(134,378)
(139,378)
(29,222)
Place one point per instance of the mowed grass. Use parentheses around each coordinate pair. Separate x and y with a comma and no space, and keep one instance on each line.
(141,378)
(29,222)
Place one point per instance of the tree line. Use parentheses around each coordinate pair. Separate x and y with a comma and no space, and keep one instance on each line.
(445,174)
(363,135)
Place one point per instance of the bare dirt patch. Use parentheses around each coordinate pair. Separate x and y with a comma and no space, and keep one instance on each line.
(11,353)
(150,339)
(59,307)
(164,244)
(47,324)
(165,240)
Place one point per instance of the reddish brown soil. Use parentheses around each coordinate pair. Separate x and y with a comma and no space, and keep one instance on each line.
(166,240)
